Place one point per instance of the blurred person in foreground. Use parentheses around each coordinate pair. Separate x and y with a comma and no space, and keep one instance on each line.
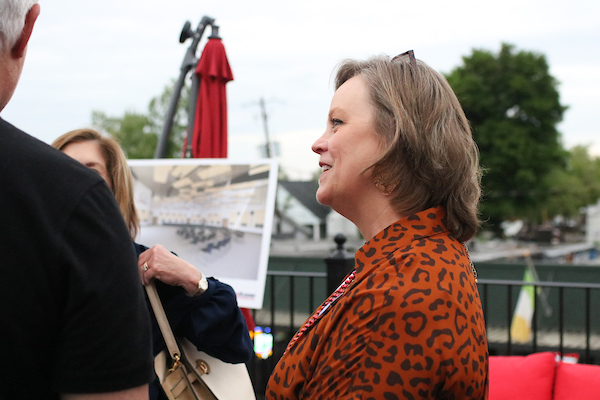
(74,322)
(399,161)
(204,311)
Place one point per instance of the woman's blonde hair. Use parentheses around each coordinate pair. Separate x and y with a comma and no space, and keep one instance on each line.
(117,169)
(430,157)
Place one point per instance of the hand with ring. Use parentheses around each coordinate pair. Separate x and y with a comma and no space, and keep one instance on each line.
(159,263)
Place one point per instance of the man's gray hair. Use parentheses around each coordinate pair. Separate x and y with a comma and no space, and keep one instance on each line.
(12,19)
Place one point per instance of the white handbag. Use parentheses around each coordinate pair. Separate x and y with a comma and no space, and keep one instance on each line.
(185,373)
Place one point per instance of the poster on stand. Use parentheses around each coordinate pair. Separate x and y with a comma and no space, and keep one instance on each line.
(214,213)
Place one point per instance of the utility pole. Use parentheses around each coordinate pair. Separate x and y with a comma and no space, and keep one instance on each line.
(263,111)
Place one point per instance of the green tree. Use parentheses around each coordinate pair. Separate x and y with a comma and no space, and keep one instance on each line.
(132,130)
(138,133)
(576,186)
(513,105)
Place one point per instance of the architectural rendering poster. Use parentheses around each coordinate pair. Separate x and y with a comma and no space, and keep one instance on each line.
(213,213)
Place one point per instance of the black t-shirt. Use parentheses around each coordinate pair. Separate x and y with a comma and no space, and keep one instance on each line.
(73,317)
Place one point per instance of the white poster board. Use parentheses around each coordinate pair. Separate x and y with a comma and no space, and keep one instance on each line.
(214,213)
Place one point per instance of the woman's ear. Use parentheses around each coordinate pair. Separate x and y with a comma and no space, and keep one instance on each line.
(20,47)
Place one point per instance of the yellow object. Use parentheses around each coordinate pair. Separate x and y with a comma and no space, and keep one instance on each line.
(520,328)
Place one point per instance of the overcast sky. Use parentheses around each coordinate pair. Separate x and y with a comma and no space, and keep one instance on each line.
(115,55)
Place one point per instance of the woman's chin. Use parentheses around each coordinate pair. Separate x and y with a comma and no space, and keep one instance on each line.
(322,197)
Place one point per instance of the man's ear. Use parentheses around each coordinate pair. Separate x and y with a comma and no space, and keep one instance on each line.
(20,48)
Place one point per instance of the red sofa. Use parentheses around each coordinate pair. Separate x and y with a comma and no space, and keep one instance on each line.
(539,376)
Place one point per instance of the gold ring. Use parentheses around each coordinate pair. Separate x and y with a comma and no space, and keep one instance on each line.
(146,266)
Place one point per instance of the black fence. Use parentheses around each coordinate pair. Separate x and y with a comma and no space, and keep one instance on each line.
(565,319)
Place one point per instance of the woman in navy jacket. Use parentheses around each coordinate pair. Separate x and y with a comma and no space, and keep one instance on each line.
(201,309)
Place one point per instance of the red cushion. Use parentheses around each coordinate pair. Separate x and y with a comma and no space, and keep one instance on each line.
(522,377)
(577,381)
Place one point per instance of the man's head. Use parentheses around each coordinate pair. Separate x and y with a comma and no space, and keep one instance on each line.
(17,18)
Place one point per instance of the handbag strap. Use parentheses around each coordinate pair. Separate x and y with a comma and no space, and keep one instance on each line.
(163,322)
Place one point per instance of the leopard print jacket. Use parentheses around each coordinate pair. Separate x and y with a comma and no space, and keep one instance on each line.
(409,326)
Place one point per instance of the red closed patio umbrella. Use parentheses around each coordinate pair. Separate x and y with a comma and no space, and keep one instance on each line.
(210,124)
(208,109)
(209,139)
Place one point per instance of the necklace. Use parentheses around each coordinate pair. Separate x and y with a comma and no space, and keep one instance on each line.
(321,310)
(473,270)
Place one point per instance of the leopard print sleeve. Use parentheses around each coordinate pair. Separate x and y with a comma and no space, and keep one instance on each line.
(409,327)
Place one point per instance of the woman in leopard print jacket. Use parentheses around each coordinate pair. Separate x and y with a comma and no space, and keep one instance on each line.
(399,161)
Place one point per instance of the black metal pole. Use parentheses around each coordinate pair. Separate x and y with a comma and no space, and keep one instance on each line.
(339,264)
(189,60)
(587,325)
(192,114)
(534,325)
(561,328)
(509,319)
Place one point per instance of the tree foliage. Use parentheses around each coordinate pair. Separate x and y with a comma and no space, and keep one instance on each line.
(576,186)
(138,133)
(513,105)
(132,130)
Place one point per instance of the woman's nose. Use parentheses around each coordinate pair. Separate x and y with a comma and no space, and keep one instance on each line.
(319,145)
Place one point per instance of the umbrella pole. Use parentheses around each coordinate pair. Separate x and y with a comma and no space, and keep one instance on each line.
(189,61)
(161,147)
(192,114)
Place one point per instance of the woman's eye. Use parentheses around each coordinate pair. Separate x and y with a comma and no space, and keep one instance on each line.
(335,122)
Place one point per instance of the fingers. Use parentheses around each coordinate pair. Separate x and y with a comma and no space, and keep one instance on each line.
(145,265)
(143,268)
(160,264)
(144,273)
(157,263)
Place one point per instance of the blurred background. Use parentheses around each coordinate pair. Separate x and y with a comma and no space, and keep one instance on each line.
(112,65)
